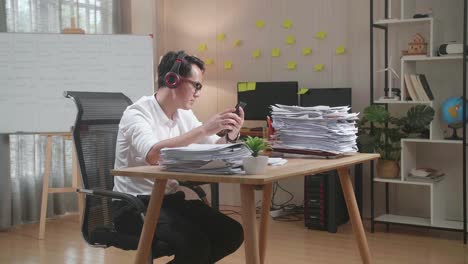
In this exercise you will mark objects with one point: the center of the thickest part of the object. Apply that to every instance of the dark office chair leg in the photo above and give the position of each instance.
(215, 195)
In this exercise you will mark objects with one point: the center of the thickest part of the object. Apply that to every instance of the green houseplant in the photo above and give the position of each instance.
(381, 132)
(255, 164)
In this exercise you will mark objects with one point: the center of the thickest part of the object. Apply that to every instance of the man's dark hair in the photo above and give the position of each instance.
(185, 69)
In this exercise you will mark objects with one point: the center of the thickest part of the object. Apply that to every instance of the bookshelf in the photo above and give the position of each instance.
(443, 204)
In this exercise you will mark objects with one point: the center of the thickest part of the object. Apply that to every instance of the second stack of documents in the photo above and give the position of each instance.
(205, 158)
(319, 128)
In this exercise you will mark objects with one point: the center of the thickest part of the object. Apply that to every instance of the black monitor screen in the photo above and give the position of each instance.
(266, 94)
(326, 96)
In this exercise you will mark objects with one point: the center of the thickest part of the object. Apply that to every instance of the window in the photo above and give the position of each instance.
(51, 16)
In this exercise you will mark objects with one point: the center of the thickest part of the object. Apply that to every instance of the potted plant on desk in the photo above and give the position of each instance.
(381, 133)
(255, 164)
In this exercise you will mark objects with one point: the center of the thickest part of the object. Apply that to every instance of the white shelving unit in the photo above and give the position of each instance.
(444, 75)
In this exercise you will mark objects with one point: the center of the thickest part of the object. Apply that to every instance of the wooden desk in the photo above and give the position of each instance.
(255, 246)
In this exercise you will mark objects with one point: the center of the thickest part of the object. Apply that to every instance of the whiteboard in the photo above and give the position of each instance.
(36, 69)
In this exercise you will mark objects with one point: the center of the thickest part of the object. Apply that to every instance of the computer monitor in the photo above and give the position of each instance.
(326, 96)
(266, 94)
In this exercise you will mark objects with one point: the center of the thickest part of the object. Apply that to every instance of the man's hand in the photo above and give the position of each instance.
(225, 120)
(237, 127)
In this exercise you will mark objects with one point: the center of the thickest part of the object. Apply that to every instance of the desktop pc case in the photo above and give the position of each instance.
(324, 205)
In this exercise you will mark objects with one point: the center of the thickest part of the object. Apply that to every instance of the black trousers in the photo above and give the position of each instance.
(197, 233)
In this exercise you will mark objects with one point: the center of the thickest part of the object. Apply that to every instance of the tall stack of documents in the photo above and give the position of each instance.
(205, 158)
(319, 128)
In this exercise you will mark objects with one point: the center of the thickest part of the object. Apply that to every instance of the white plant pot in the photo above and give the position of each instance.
(255, 165)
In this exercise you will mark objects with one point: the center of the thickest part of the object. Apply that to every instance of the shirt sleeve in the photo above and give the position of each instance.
(137, 130)
(207, 140)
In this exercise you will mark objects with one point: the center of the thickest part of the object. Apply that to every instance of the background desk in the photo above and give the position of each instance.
(255, 246)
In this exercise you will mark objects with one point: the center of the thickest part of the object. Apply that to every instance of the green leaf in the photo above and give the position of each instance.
(418, 118)
(376, 114)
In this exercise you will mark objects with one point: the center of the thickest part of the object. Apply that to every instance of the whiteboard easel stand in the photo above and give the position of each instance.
(45, 185)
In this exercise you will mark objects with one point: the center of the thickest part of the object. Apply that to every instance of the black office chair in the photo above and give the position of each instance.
(95, 135)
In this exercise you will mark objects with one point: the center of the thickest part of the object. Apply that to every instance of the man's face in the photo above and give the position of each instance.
(189, 89)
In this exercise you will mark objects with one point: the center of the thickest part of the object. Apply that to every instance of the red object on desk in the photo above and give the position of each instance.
(271, 130)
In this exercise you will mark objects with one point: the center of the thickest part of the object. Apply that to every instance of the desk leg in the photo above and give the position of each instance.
(265, 220)
(151, 219)
(249, 222)
(354, 216)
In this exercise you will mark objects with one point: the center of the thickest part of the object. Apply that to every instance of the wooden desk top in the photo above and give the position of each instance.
(294, 167)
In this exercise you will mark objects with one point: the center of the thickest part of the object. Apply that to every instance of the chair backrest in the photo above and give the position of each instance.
(95, 135)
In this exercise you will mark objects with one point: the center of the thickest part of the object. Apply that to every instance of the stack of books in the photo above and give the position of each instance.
(417, 88)
(425, 175)
(317, 130)
(205, 158)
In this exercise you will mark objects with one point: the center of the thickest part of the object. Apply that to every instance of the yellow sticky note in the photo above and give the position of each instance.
(287, 23)
(202, 47)
(228, 65)
(221, 36)
(340, 50)
(242, 87)
(256, 53)
(321, 35)
(306, 51)
(237, 43)
(292, 65)
(276, 52)
(302, 91)
(319, 67)
(260, 23)
(251, 86)
(209, 61)
(290, 40)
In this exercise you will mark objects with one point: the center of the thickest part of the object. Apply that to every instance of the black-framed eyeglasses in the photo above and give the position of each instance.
(197, 85)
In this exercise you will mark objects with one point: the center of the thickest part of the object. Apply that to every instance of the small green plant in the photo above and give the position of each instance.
(256, 144)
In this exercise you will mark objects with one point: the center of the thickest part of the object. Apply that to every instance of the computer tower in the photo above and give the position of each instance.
(324, 205)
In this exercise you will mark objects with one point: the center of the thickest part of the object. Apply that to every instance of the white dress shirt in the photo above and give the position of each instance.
(144, 124)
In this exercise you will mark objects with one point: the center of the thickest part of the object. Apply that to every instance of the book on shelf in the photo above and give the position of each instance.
(425, 85)
(425, 175)
(418, 88)
(409, 87)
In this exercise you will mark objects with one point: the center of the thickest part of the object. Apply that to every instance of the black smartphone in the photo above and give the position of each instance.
(241, 104)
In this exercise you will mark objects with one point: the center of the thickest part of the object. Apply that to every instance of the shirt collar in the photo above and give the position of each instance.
(163, 117)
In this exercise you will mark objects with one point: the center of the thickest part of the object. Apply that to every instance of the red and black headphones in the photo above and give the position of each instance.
(172, 79)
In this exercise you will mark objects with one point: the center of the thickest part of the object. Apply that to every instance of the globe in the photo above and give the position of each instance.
(452, 114)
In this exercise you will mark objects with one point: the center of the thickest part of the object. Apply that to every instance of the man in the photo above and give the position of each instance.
(196, 232)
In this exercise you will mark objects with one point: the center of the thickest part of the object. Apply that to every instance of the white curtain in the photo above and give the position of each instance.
(27, 157)
(51, 16)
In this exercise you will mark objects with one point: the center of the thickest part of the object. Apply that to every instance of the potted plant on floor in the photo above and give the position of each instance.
(256, 163)
(386, 131)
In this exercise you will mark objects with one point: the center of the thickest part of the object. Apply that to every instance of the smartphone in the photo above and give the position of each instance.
(241, 104)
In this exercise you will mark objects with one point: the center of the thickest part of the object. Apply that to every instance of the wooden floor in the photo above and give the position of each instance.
(289, 242)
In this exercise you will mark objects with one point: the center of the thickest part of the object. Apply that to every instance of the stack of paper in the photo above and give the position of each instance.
(319, 128)
(205, 158)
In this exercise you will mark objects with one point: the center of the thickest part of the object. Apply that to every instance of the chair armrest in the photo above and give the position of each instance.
(116, 195)
(194, 186)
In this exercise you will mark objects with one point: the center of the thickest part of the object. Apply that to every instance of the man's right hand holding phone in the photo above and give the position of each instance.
(226, 120)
